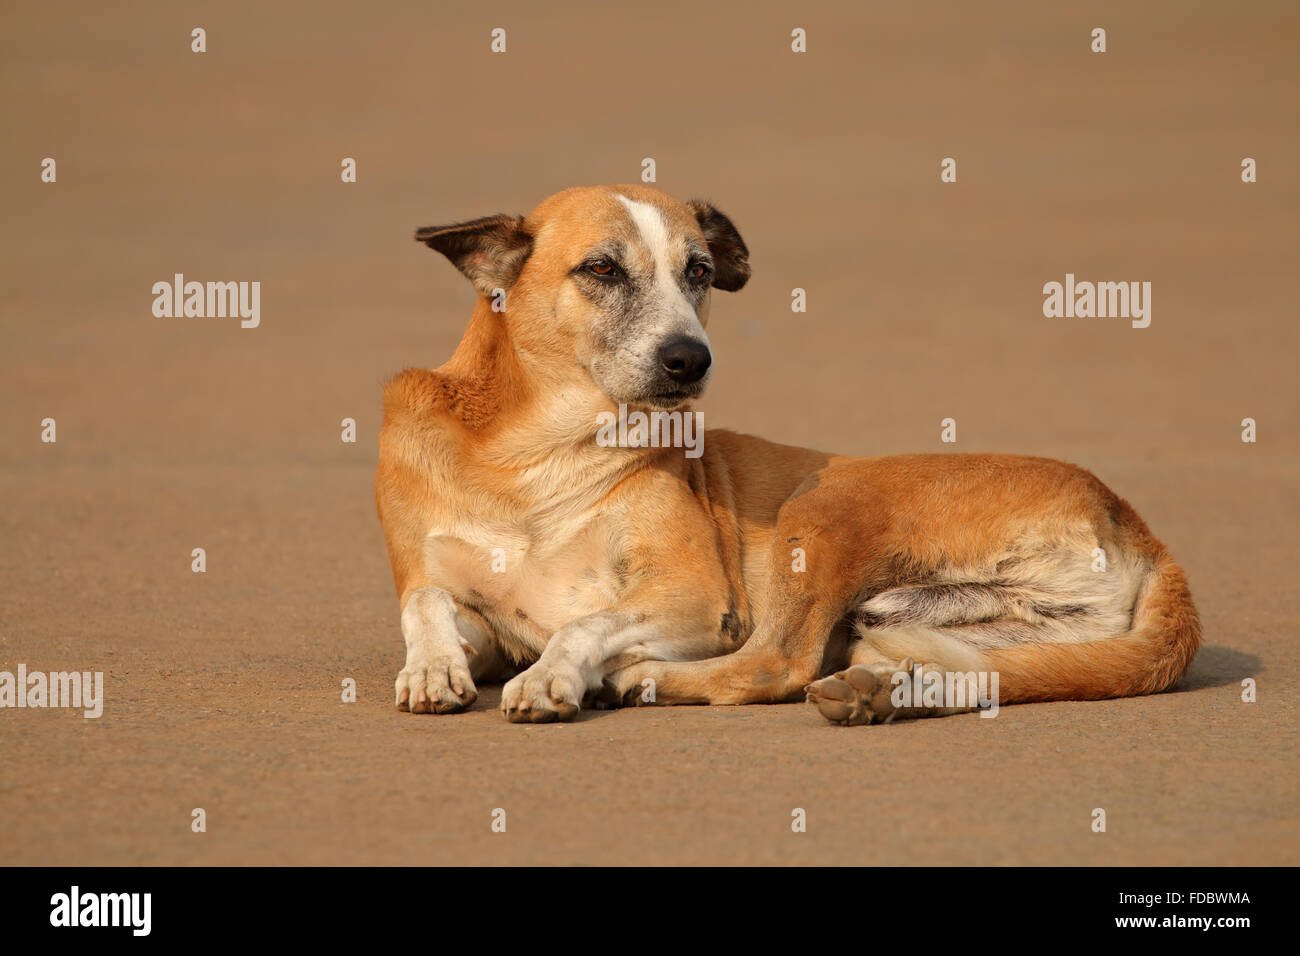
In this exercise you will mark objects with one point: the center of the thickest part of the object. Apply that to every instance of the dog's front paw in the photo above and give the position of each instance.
(439, 686)
(541, 694)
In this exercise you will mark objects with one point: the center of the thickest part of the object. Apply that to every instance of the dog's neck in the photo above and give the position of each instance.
(522, 415)
(483, 377)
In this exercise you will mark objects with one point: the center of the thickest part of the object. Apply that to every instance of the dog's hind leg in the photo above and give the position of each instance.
(800, 613)
(764, 671)
(1038, 650)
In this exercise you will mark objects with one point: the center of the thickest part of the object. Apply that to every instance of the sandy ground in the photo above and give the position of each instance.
(224, 688)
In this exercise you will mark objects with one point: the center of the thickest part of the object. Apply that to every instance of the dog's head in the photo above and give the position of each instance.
(611, 280)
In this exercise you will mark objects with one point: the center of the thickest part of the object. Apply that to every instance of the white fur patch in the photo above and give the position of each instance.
(681, 316)
(1035, 591)
(654, 232)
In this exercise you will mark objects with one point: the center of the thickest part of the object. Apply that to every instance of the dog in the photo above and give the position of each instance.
(752, 573)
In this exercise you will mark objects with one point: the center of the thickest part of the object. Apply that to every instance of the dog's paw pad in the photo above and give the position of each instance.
(858, 695)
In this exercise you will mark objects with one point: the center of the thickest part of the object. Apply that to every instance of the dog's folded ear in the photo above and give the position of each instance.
(490, 251)
(730, 255)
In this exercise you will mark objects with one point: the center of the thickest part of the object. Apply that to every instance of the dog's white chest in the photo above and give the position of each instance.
(528, 585)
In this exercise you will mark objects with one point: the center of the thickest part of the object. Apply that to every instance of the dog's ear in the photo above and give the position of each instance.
(730, 256)
(490, 251)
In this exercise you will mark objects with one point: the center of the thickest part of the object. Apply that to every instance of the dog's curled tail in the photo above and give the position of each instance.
(1153, 656)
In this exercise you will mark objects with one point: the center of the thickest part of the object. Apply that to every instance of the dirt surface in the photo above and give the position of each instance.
(223, 689)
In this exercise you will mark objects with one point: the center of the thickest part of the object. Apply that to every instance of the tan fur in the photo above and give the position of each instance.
(641, 568)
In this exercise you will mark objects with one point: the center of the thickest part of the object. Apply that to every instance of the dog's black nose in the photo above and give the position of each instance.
(685, 360)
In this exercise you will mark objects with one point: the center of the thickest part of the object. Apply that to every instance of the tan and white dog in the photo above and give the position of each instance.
(639, 574)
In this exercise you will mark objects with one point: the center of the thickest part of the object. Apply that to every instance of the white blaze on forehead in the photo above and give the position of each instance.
(649, 221)
(669, 311)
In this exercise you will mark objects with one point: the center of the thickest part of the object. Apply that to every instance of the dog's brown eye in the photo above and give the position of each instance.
(696, 271)
(601, 267)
